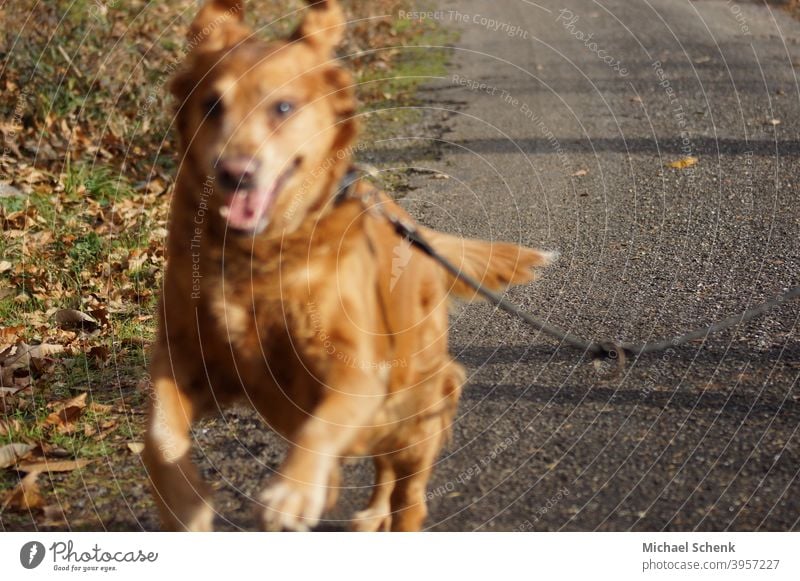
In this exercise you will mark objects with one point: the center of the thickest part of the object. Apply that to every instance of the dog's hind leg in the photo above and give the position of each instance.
(378, 514)
(413, 469)
(413, 464)
(181, 495)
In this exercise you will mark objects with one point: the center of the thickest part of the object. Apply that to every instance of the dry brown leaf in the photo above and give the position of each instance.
(108, 424)
(25, 495)
(22, 354)
(136, 447)
(74, 319)
(100, 408)
(9, 336)
(52, 466)
(101, 315)
(684, 162)
(100, 353)
(9, 425)
(156, 186)
(106, 428)
(66, 413)
(77, 401)
(11, 453)
(9, 191)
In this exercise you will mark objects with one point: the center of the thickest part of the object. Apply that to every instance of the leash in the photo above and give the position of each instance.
(599, 349)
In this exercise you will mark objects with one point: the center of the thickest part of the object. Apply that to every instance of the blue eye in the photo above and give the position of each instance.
(283, 108)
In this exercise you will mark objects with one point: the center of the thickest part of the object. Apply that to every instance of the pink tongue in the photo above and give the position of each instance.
(246, 208)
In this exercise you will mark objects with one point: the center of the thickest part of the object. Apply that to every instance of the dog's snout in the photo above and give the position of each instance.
(237, 173)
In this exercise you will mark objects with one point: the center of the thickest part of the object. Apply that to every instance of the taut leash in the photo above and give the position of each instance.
(599, 349)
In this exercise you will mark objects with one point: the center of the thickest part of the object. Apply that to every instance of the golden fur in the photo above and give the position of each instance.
(308, 315)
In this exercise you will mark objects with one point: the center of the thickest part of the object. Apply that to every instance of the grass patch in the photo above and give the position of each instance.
(391, 96)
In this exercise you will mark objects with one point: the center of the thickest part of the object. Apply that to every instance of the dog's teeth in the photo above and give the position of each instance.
(224, 211)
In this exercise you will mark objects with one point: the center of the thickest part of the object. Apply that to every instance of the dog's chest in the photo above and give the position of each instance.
(256, 310)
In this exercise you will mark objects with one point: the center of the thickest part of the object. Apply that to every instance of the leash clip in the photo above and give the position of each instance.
(615, 354)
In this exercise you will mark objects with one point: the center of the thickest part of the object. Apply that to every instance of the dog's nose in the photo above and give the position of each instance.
(237, 173)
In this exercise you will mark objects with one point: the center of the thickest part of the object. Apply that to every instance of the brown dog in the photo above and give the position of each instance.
(276, 295)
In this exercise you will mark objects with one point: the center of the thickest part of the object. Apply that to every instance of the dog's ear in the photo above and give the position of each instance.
(322, 26)
(218, 24)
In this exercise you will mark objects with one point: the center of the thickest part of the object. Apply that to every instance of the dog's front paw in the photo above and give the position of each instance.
(292, 506)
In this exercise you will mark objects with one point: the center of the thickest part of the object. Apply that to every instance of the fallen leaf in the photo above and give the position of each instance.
(74, 319)
(11, 453)
(108, 424)
(156, 186)
(77, 401)
(9, 425)
(52, 466)
(66, 413)
(684, 162)
(580, 172)
(136, 447)
(106, 428)
(5, 265)
(24, 496)
(100, 353)
(22, 354)
(100, 408)
(9, 191)
(9, 336)
(101, 315)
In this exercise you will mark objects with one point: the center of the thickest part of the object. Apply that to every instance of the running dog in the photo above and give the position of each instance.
(279, 293)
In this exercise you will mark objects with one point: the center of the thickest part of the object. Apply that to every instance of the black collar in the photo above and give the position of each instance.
(346, 185)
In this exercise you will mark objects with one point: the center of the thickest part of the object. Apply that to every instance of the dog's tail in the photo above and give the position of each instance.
(495, 265)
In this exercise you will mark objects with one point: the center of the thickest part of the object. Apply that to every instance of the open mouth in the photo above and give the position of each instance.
(247, 210)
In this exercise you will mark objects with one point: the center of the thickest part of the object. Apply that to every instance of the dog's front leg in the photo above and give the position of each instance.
(296, 498)
(182, 498)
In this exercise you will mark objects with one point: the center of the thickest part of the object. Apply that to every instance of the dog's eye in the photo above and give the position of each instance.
(283, 108)
(212, 106)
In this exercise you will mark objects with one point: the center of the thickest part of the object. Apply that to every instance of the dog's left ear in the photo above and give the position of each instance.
(218, 24)
(322, 26)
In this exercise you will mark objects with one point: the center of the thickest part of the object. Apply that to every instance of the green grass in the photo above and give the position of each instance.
(73, 261)
(412, 67)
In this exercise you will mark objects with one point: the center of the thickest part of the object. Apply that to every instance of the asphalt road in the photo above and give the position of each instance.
(554, 138)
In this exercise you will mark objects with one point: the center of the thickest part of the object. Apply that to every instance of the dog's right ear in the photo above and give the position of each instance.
(218, 24)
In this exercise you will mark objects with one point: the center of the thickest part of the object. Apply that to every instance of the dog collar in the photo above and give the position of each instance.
(346, 185)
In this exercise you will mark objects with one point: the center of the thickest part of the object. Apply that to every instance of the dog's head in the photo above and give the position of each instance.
(270, 123)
